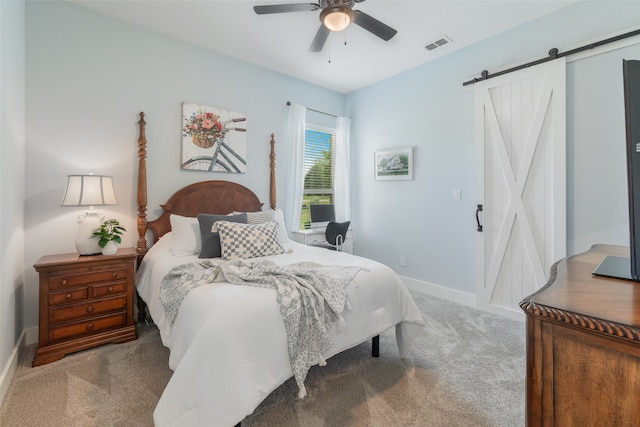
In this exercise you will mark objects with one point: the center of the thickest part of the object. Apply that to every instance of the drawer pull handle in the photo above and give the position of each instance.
(89, 309)
(114, 275)
(89, 326)
(110, 289)
(68, 296)
(64, 282)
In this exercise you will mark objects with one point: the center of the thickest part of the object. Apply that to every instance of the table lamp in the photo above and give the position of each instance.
(88, 190)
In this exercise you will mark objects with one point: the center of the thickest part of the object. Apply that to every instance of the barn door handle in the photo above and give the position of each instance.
(478, 209)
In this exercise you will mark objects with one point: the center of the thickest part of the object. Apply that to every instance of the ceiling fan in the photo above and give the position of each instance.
(335, 15)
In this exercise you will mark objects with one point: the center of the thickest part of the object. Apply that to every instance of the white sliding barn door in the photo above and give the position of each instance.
(521, 176)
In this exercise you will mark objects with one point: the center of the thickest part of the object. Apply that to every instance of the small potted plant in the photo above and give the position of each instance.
(109, 234)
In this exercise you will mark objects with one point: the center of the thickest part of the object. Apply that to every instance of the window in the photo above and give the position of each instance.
(319, 163)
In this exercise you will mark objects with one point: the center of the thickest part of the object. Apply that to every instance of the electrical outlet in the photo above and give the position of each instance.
(457, 194)
(403, 262)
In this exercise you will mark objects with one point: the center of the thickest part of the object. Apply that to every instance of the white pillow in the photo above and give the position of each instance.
(261, 217)
(186, 235)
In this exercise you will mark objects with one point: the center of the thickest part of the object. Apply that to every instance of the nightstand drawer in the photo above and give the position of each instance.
(92, 308)
(66, 297)
(109, 289)
(87, 276)
(87, 327)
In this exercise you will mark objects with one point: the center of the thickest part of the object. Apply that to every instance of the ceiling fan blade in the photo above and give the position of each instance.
(372, 25)
(319, 40)
(283, 8)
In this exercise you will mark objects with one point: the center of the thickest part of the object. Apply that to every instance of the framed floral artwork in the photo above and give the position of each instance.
(213, 139)
(394, 164)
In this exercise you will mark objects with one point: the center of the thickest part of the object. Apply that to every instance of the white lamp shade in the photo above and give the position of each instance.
(89, 190)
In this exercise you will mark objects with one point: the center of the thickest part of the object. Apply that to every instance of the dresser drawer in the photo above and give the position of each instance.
(66, 297)
(83, 310)
(87, 276)
(108, 289)
(87, 327)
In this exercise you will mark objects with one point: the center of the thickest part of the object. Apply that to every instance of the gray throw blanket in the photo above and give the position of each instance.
(310, 296)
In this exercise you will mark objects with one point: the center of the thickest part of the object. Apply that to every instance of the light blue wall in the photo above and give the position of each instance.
(88, 76)
(12, 171)
(428, 108)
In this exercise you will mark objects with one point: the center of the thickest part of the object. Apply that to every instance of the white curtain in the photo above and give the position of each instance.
(342, 185)
(294, 186)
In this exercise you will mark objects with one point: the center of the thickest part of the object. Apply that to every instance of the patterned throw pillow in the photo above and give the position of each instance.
(258, 217)
(264, 216)
(248, 240)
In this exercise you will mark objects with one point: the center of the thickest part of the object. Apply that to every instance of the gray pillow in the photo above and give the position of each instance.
(211, 240)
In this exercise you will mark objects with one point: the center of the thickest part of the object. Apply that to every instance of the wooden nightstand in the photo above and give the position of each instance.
(85, 301)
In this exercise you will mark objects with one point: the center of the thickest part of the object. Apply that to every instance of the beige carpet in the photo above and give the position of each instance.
(467, 369)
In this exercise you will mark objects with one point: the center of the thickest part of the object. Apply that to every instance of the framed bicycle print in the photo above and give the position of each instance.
(213, 139)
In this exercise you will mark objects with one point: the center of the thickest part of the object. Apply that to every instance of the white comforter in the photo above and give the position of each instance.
(228, 342)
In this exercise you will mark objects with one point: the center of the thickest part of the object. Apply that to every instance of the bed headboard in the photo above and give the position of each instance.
(214, 197)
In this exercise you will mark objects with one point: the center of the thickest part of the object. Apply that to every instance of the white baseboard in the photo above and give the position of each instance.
(449, 294)
(28, 336)
(10, 368)
(459, 297)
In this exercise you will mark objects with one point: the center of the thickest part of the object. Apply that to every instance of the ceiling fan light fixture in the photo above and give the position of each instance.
(336, 17)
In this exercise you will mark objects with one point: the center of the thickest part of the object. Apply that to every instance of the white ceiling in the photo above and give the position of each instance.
(280, 42)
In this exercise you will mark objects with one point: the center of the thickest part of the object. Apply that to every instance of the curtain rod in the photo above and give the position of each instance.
(553, 54)
(316, 111)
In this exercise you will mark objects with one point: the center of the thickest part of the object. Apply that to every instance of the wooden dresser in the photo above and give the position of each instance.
(583, 346)
(85, 301)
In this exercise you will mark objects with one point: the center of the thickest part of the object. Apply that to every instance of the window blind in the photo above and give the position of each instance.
(319, 162)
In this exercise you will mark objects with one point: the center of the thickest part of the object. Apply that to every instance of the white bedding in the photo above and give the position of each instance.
(228, 342)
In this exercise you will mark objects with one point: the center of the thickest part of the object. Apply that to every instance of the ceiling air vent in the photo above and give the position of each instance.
(437, 43)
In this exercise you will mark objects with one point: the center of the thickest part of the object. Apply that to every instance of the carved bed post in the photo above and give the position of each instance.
(272, 182)
(141, 247)
(142, 190)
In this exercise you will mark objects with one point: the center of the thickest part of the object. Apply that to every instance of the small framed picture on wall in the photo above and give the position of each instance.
(394, 164)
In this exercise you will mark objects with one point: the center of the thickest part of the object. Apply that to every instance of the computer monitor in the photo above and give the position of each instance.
(629, 267)
(321, 215)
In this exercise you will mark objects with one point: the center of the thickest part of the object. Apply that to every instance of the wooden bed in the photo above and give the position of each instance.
(377, 301)
(213, 197)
